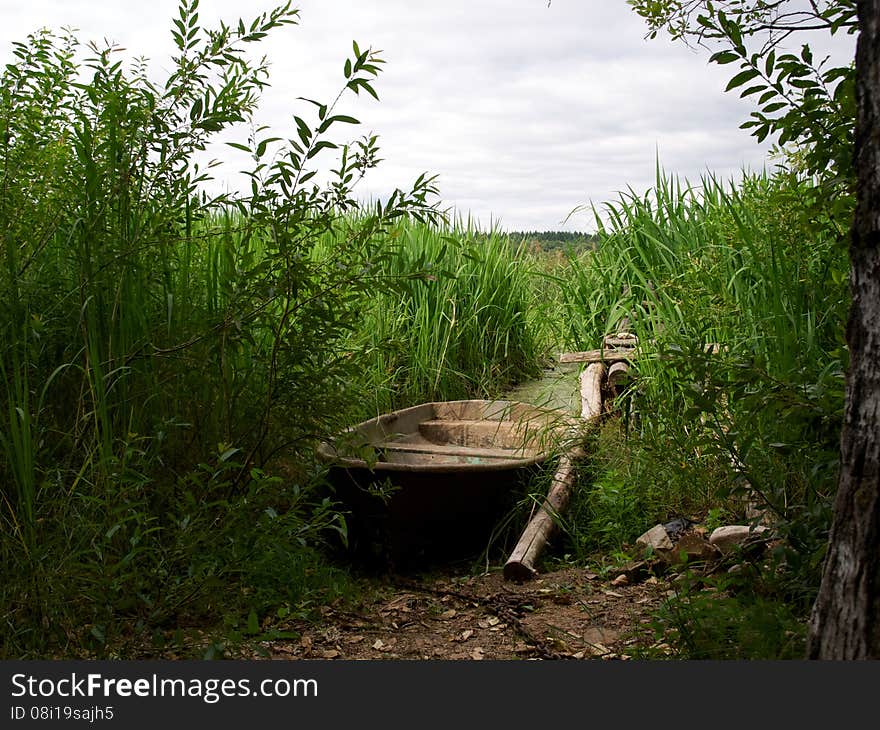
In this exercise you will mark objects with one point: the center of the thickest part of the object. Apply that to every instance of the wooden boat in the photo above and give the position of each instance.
(436, 477)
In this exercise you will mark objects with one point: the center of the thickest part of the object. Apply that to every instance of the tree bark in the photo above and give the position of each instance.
(845, 622)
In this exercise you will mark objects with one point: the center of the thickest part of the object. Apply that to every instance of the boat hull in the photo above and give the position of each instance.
(432, 481)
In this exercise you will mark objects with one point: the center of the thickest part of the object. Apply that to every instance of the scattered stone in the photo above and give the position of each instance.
(636, 570)
(692, 546)
(656, 538)
(599, 635)
(675, 528)
(730, 536)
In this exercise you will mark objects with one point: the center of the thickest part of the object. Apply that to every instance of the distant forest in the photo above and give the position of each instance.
(554, 240)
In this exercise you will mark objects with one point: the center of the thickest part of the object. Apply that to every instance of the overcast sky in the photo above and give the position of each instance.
(525, 111)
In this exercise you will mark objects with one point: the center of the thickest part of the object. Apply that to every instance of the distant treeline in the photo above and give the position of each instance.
(553, 240)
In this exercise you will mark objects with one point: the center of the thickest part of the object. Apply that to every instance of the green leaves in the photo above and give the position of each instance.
(741, 78)
(325, 125)
(724, 57)
(805, 106)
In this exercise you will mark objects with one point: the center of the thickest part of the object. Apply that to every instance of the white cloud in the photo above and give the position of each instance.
(525, 111)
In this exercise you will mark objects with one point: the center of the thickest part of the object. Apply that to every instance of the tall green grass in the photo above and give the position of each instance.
(756, 268)
(455, 325)
(169, 361)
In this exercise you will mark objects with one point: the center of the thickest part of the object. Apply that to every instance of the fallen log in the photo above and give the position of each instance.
(520, 566)
(591, 391)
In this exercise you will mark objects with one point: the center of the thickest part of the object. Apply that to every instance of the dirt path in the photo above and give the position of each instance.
(567, 614)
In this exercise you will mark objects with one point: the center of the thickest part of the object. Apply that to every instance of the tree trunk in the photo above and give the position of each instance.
(845, 622)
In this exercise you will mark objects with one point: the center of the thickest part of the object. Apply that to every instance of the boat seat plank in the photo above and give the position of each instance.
(453, 450)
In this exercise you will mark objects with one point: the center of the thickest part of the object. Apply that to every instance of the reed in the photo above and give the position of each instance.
(456, 321)
(751, 266)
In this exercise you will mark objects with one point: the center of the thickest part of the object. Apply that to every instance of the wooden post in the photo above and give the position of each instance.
(520, 566)
(617, 374)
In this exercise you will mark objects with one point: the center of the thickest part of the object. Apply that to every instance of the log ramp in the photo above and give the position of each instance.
(520, 566)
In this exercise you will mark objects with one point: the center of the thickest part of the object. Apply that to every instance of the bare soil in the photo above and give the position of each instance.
(565, 614)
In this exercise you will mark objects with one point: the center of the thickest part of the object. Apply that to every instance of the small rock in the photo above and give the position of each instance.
(656, 538)
(636, 570)
(728, 537)
(693, 546)
(676, 527)
(599, 635)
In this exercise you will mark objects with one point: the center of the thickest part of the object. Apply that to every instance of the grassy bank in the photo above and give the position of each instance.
(759, 269)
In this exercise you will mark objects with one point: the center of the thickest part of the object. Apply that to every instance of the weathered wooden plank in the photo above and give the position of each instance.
(616, 354)
(454, 450)
(621, 339)
(604, 355)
